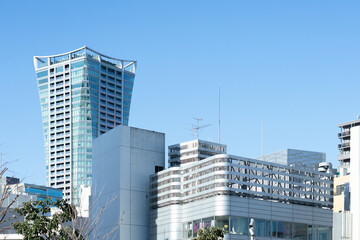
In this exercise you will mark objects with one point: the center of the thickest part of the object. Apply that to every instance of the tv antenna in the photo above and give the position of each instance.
(196, 128)
(219, 113)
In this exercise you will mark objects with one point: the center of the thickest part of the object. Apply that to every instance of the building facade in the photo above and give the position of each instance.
(83, 94)
(227, 191)
(346, 183)
(123, 159)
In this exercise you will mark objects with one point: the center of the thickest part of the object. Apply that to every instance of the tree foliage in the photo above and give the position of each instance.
(210, 233)
(39, 224)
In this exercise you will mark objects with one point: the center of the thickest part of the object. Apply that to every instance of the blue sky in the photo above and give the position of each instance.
(292, 64)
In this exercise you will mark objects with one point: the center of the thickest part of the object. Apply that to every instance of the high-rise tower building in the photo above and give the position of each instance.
(83, 94)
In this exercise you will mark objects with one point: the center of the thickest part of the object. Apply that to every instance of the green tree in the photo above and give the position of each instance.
(210, 233)
(39, 225)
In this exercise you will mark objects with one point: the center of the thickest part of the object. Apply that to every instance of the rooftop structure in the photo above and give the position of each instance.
(193, 151)
(296, 158)
(83, 94)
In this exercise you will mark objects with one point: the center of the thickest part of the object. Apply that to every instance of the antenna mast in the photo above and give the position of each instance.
(196, 128)
(219, 113)
(262, 140)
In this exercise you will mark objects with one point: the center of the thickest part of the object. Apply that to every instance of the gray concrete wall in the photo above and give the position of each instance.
(123, 160)
(342, 226)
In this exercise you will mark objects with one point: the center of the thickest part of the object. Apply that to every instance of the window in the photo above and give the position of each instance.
(42, 74)
(239, 225)
(222, 222)
(59, 69)
(158, 168)
(260, 227)
(299, 230)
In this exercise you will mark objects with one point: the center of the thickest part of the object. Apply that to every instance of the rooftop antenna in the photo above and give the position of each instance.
(219, 113)
(262, 140)
(196, 128)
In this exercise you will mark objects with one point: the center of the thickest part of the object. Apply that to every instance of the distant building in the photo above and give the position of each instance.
(296, 158)
(227, 191)
(37, 192)
(83, 94)
(123, 160)
(22, 192)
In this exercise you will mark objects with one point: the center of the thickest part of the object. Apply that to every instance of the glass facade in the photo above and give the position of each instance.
(263, 228)
(43, 192)
(83, 94)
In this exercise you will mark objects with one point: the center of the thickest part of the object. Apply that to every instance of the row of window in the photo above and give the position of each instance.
(262, 228)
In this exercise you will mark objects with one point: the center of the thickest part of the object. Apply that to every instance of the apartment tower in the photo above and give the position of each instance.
(83, 94)
(346, 183)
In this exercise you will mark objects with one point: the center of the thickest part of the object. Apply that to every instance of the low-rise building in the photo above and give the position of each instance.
(21, 192)
(227, 191)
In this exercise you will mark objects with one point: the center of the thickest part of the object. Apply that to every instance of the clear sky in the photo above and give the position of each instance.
(292, 64)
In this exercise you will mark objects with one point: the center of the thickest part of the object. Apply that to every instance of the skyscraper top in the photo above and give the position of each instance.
(44, 61)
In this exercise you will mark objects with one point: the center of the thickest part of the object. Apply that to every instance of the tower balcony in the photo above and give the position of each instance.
(344, 134)
(343, 156)
(344, 145)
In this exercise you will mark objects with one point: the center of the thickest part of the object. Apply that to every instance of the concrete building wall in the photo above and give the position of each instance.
(339, 199)
(355, 180)
(342, 226)
(123, 160)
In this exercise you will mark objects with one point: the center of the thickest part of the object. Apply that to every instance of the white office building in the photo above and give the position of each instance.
(83, 94)
(286, 202)
(347, 183)
(123, 160)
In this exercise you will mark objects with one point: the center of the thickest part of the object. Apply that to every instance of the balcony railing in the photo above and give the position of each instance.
(344, 145)
(344, 134)
(343, 156)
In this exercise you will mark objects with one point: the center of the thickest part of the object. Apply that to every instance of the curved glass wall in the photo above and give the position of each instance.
(263, 228)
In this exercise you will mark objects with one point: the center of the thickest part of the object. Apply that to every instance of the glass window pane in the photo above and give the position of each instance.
(188, 230)
(287, 230)
(273, 228)
(239, 225)
(312, 232)
(299, 231)
(280, 229)
(196, 227)
(267, 228)
(259, 227)
(324, 233)
(222, 222)
(208, 222)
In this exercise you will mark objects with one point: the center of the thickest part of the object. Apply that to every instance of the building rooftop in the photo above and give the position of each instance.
(351, 123)
(44, 61)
